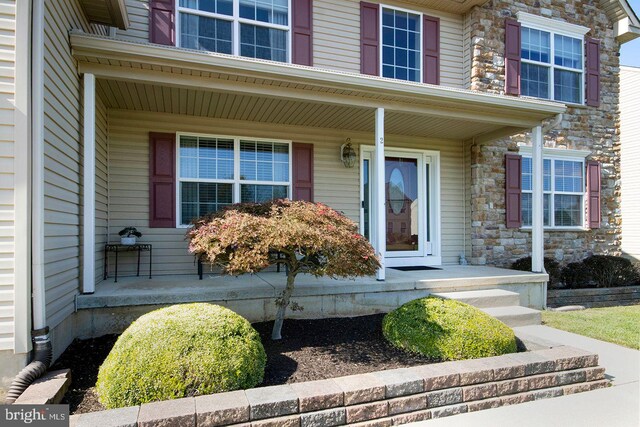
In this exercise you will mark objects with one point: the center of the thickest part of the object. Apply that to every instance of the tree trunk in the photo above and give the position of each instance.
(283, 303)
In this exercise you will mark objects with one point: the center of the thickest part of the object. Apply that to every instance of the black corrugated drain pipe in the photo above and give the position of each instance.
(42, 355)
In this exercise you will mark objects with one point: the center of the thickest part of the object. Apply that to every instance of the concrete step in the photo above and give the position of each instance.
(514, 316)
(483, 299)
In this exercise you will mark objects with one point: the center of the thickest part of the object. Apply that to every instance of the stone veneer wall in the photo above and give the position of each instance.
(383, 398)
(583, 128)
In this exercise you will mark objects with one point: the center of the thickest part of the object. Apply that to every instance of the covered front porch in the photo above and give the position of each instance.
(135, 89)
(113, 305)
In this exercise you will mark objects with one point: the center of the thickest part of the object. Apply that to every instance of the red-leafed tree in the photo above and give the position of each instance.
(307, 237)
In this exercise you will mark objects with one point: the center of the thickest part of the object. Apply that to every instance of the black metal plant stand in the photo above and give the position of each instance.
(117, 248)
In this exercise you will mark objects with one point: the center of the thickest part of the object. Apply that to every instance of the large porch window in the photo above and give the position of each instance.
(216, 171)
(252, 28)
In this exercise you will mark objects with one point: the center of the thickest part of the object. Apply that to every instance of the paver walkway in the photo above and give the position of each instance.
(616, 406)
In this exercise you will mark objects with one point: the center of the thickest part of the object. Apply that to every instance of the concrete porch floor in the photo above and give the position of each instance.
(113, 306)
(160, 290)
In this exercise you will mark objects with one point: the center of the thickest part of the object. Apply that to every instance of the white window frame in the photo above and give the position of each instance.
(236, 181)
(553, 154)
(236, 20)
(380, 47)
(555, 27)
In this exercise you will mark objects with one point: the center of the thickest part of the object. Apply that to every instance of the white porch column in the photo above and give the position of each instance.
(89, 185)
(378, 189)
(537, 222)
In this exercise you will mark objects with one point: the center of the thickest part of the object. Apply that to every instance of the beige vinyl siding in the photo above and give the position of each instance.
(138, 30)
(63, 158)
(334, 184)
(466, 51)
(467, 197)
(7, 179)
(336, 35)
(102, 195)
(630, 155)
(336, 38)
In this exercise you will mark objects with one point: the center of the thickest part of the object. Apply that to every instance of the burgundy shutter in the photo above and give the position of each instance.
(302, 32)
(369, 38)
(162, 27)
(513, 180)
(512, 56)
(302, 171)
(592, 51)
(593, 194)
(162, 180)
(431, 49)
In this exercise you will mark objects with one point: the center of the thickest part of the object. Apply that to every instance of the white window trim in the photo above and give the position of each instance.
(553, 27)
(560, 154)
(236, 181)
(236, 20)
(421, 22)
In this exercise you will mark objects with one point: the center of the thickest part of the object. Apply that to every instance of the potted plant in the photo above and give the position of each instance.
(128, 235)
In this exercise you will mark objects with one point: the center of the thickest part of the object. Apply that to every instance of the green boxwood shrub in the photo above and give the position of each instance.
(181, 351)
(576, 275)
(611, 271)
(447, 330)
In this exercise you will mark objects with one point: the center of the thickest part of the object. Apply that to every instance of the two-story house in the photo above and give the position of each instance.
(449, 130)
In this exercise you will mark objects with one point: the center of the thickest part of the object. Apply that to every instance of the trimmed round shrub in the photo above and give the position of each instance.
(181, 351)
(447, 330)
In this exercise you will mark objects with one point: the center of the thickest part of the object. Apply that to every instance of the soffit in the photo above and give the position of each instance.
(269, 110)
(108, 12)
(452, 6)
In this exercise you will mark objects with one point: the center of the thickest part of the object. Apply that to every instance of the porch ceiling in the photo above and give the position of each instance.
(262, 109)
(146, 77)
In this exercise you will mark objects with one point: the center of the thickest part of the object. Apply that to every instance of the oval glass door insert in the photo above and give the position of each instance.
(396, 191)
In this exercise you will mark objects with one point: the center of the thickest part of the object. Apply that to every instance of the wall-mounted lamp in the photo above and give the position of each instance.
(348, 154)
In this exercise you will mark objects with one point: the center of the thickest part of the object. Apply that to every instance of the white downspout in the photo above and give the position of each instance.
(37, 191)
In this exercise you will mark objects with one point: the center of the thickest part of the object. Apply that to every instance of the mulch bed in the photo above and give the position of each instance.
(309, 350)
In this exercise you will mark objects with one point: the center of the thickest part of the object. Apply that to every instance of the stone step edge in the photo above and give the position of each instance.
(486, 298)
(276, 401)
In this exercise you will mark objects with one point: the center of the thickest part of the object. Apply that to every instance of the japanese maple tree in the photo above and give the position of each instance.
(307, 237)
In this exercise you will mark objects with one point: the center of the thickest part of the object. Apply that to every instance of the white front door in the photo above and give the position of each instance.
(410, 206)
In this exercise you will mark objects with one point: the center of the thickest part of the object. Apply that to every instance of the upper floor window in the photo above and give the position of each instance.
(252, 28)
(552, 56)
(563, 187)
(401, 45)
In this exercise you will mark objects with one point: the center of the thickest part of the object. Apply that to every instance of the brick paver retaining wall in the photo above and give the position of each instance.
(382, 398)
(594, 297)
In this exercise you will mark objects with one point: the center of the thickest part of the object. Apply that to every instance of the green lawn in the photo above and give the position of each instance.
(619, 325)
